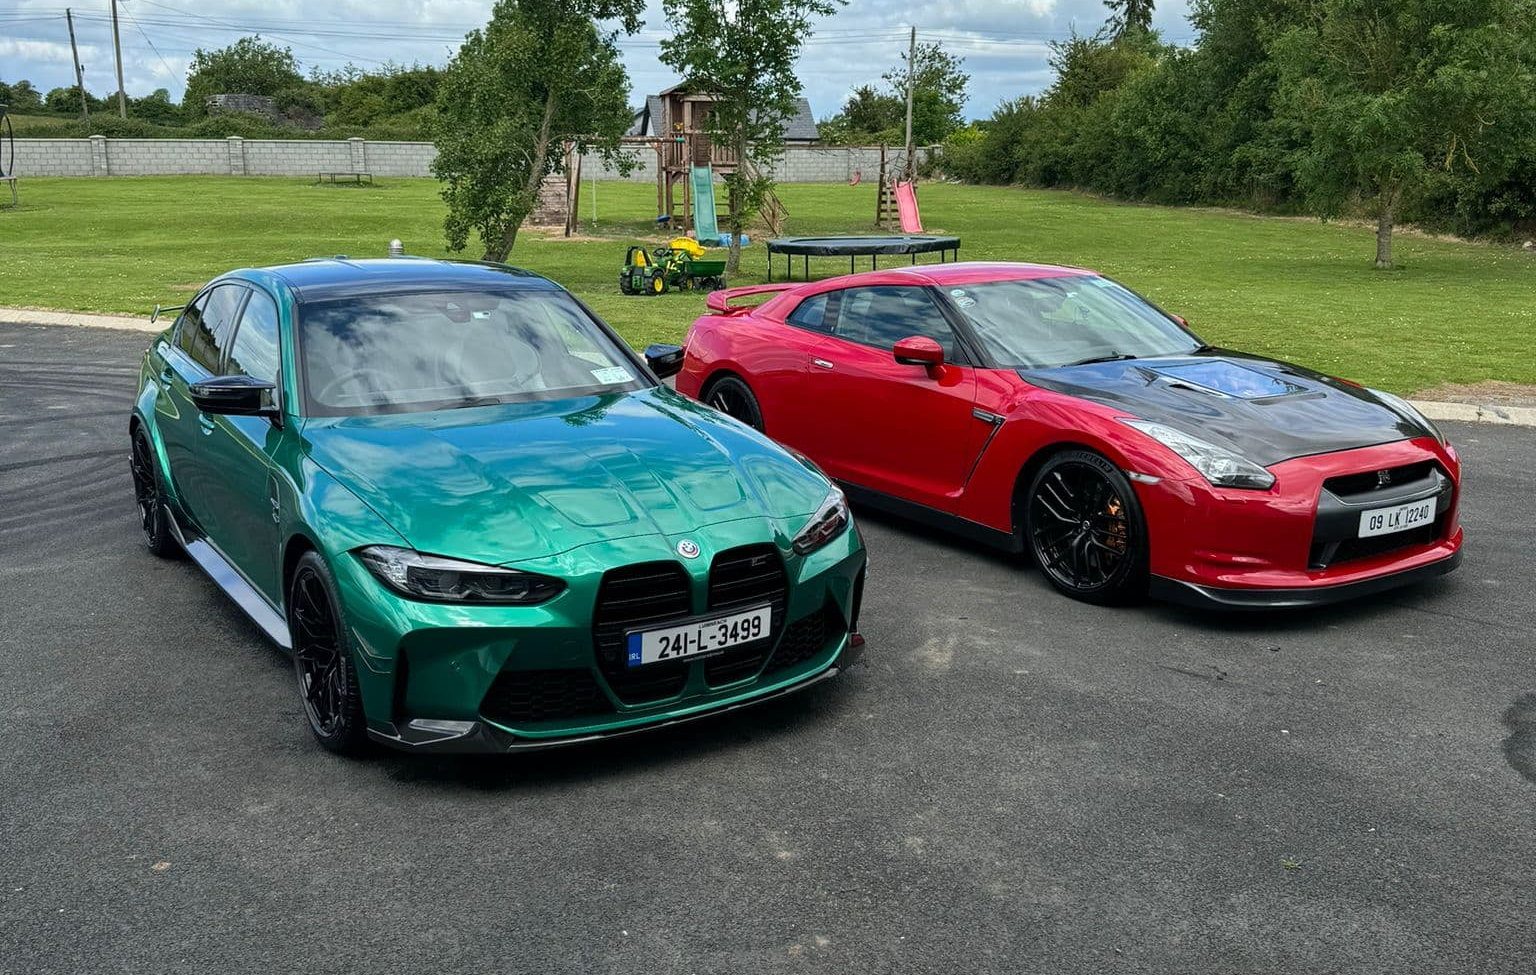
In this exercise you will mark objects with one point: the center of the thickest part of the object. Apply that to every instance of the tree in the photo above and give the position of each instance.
(1128, 17)
(538, 75)
(867, 116)
(250, 66)
(21, 96)
(743, 53)
(1382, 95)
(938, 92)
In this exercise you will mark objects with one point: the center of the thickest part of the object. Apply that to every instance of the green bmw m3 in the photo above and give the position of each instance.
(474, 517)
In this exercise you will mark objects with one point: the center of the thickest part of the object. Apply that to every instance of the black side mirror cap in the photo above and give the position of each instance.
(234, 396)
(664, 360)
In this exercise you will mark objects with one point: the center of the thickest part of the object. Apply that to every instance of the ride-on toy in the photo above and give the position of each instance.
(679, 265)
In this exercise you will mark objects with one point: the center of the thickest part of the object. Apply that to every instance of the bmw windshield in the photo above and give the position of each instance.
(440, 350)
(1042, 323)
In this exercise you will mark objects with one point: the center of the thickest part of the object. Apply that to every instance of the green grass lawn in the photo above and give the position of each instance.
(1302, 290)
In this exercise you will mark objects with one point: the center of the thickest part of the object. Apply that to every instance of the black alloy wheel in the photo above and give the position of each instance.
(322, 659)
(1085, 528)
(154, 518)
(734, 398)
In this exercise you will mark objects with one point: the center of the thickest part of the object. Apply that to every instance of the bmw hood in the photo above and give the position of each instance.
(1264, 410)
(504, 483)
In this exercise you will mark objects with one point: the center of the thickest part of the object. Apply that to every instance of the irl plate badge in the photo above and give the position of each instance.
(688, 548)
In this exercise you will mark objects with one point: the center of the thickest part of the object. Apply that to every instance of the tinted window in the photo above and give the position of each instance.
(884, 315)
(398, 353)
(254, 352)
(190, 323)
(811, 313)
(205, 336)
(1048, 322)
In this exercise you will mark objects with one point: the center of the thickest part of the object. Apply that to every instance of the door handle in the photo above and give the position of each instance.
(206, 422)
(821, 364)
(167, 374)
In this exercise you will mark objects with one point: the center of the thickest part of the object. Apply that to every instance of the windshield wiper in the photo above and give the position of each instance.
(1112, 357)
(476, 401)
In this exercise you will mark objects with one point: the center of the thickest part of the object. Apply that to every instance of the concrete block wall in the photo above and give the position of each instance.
(293, 157)
(399, 158)
(234, 156)
(54, 157)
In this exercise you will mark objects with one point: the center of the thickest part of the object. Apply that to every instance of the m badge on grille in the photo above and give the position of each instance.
(688, 548)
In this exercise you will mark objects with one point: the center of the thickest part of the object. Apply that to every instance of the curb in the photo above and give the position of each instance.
(32, 316)
(1515, 416)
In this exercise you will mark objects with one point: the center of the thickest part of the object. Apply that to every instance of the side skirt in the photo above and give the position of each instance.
(934, 518)
(229, 579)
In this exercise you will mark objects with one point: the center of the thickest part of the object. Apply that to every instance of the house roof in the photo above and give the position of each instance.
(649, 121)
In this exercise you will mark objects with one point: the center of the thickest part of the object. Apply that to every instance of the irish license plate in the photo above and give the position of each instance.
(1398, 518)
(695, 637)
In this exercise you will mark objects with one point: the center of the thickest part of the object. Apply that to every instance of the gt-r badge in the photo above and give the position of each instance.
(1383, 478)
(688, 548)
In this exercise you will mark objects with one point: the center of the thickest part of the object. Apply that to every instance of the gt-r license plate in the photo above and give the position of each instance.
(1398, 518)
(697, 637)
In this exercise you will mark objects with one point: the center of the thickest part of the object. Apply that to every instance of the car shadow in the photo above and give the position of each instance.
(643, 754)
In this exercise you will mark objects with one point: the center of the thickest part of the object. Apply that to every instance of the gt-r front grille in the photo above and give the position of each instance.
(635, 597)
(805, 638)
(741, 577)
(1359, 487)
(520, 696)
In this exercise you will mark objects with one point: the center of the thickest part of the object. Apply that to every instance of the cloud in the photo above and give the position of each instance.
(1004, 42)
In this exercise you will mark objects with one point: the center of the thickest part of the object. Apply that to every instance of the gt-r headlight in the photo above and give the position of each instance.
(1217, 465)
(1407, 409)
(826, 524)
(438, 580)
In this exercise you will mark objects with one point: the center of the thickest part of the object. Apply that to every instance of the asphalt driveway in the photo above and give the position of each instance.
(1010, 782)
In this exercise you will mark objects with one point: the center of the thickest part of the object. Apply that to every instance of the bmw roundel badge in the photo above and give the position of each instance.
(688, 548)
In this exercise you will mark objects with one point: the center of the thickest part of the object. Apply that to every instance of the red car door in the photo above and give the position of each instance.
(776, 368)
(905, 430)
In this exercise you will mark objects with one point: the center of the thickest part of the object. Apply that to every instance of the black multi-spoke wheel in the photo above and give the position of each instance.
(734, 398)
(154, 519)
(1086, 529)
(322, 659)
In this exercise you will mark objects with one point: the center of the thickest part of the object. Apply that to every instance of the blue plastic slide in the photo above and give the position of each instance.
(704, 226)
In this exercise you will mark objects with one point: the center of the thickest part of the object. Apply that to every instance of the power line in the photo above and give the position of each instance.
(168, 69)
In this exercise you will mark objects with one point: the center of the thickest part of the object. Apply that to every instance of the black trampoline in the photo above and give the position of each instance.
(852, 247)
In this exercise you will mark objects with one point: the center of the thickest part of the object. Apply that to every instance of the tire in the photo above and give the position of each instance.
(1085, 527)
(149, 496)
(734, 398)
(625, 287)
(657, 285)
(322, 659)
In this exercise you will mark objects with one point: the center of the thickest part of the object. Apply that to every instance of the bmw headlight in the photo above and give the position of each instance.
(1216, 464)
(826, 524)
(439, 580)
(1406, 409)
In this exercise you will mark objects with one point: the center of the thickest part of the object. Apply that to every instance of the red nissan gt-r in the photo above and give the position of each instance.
(1051, 409)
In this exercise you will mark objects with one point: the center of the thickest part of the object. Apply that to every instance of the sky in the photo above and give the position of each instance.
(1004, 42)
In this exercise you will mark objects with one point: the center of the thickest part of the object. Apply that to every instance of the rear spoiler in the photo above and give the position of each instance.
(720, 301)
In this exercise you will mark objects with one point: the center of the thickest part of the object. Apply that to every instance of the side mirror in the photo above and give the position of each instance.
(919, 350)
(664, 360)
(234, 396)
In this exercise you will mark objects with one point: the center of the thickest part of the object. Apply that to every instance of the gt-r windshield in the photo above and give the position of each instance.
(1046, 322)
(428, 351)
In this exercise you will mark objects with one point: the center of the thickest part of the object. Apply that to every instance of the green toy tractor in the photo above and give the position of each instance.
(680, 266)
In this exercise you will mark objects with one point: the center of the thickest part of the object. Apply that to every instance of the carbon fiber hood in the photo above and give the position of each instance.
(1267, 411)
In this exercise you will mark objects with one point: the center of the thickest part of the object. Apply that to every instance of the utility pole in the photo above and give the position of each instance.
(74, 53)
(911, 81)
(117, 46)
